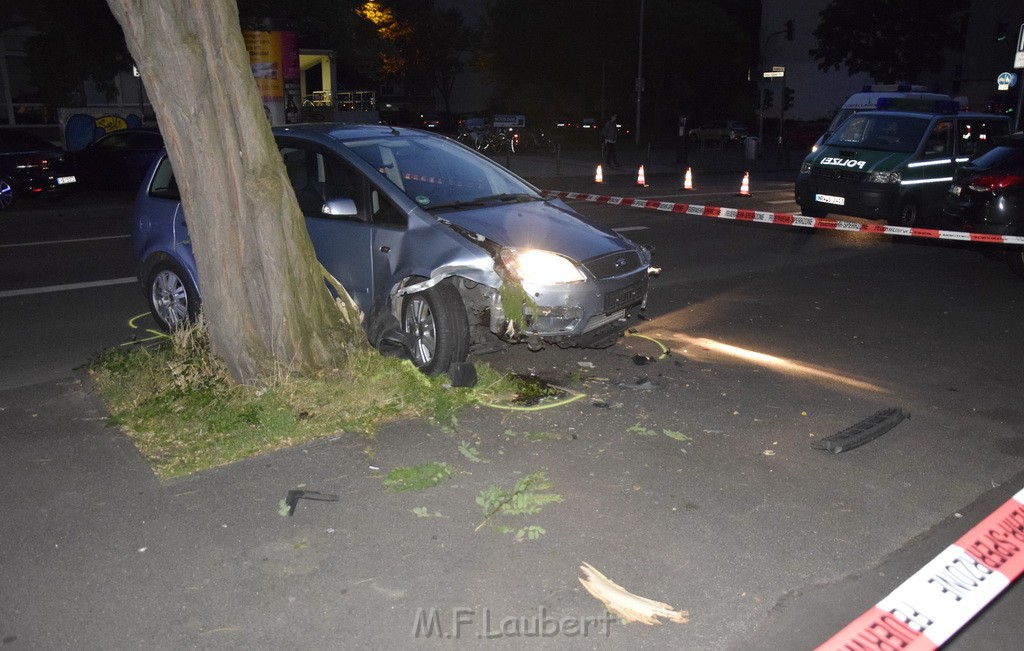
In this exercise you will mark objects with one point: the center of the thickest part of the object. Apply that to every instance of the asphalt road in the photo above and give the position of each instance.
(689, 479)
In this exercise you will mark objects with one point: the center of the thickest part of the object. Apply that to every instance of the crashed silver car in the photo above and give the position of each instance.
(444, 252)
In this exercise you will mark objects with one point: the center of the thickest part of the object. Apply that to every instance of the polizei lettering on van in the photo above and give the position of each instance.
(843, 162)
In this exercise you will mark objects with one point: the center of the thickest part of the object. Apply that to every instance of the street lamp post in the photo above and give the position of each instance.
(640, 74)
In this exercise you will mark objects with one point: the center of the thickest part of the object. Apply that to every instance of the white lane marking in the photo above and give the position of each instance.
(64, 288)
(80, 239)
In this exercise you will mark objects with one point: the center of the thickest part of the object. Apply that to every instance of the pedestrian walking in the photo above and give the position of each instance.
(610, 133)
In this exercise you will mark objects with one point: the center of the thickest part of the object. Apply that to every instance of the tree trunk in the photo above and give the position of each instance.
(263, 292)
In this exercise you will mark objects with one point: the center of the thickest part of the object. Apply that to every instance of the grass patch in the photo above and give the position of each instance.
(177, 403)
(417, 478)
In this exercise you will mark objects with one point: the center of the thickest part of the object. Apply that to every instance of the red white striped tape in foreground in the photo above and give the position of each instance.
(786, 219)
(941, 597)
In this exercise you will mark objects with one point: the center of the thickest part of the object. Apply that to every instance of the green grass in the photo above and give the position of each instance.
(176, 402)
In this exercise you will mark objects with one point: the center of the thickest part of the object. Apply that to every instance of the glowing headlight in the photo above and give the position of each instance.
(540, 267)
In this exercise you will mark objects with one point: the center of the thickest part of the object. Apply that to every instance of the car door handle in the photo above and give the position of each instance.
(385, 249)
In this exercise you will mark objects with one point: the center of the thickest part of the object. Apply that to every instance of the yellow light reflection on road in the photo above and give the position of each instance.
(698, 347)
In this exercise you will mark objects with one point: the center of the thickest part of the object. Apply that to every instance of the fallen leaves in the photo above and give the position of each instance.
(626, 605)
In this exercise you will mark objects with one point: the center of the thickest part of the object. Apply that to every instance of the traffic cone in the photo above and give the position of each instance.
(640, 178)
(688, 180)
(598, 175)
(744, 186)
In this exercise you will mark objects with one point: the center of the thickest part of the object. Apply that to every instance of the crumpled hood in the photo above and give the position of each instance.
(547, 225)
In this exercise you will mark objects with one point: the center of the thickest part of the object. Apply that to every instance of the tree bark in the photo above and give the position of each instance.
(263, 292)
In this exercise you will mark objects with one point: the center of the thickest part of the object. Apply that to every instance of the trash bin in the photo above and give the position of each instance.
(751, 144)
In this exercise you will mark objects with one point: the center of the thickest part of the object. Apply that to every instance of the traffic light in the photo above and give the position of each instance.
(789, 30)
(787, 98)
(767, 99)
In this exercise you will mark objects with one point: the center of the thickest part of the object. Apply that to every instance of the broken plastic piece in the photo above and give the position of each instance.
(863, 432)
(641, 360)
(295, 495)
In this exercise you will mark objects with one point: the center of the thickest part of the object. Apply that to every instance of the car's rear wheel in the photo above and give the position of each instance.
(438, 329)
(908, 214)
(1015, 258)
(6, 194)
(173, 300)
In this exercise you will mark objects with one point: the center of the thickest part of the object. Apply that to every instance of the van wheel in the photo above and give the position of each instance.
(1015, 258)
(907, 214)
(173, 300)
(436, 323)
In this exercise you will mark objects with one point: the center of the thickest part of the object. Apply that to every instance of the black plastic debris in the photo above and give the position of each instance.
(295, 495)
(863, 432)
(642, 360)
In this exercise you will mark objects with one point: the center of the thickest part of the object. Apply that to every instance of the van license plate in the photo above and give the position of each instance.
(828, 198)
(64, 180)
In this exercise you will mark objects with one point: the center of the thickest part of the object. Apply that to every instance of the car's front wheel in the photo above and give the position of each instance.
(173, 300)
(6, 194)
(907, 214)
(435, 321)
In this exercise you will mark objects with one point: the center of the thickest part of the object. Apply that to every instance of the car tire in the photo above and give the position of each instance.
(173, 299)
(1015, 258)
(907, 214)
(435, 321)
(6, 194)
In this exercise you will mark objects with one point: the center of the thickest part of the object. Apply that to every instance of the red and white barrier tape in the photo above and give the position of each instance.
(939, 599)
(786, 219)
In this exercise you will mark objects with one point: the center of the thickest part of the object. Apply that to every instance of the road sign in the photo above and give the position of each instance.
(773, 73)
(1005, 80)
(1018, 60)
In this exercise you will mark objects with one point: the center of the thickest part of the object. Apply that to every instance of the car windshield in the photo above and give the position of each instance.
(880, 131)
(438, 173)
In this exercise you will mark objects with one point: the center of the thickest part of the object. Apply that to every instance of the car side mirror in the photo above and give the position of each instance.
(340, 208)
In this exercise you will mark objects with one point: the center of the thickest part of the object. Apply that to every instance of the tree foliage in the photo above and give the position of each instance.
(891, 40)
(74, 41)
(558, 59)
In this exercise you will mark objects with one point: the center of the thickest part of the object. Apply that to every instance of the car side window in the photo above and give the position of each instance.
(385, 211)
(317, 178)
(164, 185)
(940, 140)
(975, 136)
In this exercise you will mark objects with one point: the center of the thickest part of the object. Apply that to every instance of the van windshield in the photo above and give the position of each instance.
(880, 131)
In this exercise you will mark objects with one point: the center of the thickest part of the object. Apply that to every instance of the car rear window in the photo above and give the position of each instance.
(1004, 155)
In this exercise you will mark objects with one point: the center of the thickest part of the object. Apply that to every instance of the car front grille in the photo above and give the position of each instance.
(625, 297)
(613, 265)
(838, 174)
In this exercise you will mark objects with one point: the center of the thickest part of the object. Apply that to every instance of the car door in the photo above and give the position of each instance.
(342, 242)
(932, 172)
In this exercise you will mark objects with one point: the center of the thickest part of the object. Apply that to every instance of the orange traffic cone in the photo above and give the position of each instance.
(599, 175)
(688, 180)
(640, 178)
(745, 186)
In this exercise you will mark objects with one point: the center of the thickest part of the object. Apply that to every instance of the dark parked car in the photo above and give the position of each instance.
(440, 248)
(31, 166)
(118, 160)
(987, 196)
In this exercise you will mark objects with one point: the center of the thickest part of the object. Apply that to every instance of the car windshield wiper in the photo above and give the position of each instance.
(480, 201)
(520, 197)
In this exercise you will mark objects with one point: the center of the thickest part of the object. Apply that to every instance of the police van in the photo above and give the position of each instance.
(895, 165)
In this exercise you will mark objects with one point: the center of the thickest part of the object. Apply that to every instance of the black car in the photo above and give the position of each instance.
(987, 196)
(31, 166)
(118, 160)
